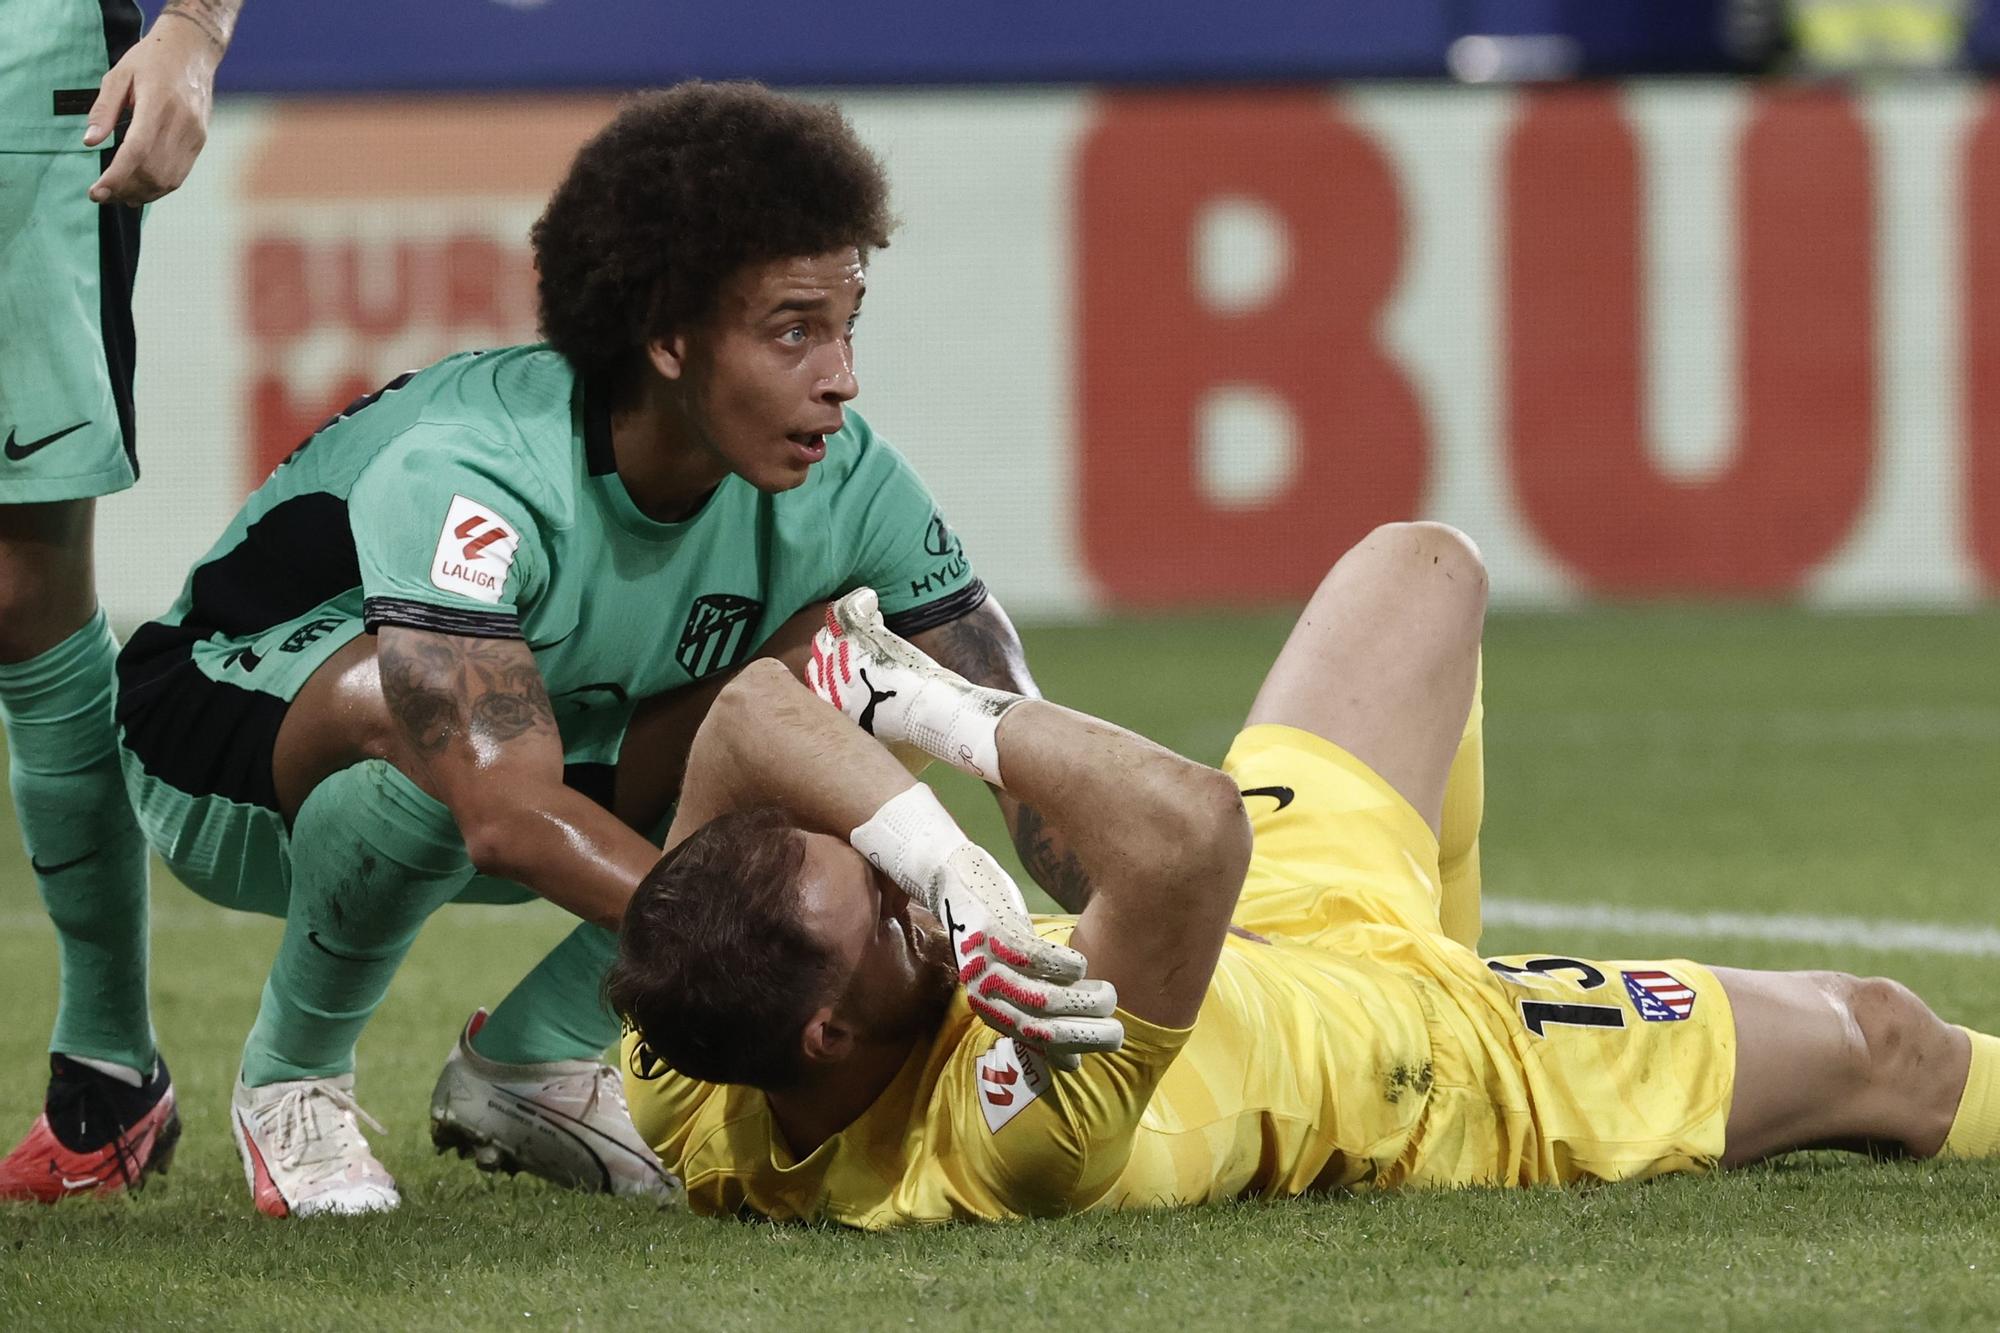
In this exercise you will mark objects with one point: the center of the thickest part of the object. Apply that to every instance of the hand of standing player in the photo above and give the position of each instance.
(167, 82)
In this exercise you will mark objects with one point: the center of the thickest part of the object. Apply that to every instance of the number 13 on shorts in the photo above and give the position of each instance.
(1575, 993)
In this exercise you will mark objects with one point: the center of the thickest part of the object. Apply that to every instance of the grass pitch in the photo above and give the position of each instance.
(1673, 761)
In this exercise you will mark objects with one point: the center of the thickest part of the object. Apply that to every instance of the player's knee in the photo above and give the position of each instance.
(31, 623)
(1898, 1038)
(1435, 560)
(1452, 555)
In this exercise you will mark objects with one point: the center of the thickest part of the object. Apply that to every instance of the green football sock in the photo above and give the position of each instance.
(557, 1012)
(84, 845)
(372, 857)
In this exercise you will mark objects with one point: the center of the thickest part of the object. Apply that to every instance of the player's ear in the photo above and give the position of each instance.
(668, 355)
(826, 1039)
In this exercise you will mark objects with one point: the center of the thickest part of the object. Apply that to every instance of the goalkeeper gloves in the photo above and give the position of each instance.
(1022, 985)
(901, 697)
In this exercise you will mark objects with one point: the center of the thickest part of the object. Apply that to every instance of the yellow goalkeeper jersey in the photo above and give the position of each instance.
(1357, 1046)
(1251, 1100)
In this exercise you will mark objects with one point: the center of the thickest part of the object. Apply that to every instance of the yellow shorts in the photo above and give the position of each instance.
(1545, 1068)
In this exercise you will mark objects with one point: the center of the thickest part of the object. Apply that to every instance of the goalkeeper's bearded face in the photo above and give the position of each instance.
(893, 969)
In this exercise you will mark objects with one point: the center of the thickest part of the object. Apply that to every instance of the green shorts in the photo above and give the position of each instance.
(196, 756)
(66, 270)
(239, 855)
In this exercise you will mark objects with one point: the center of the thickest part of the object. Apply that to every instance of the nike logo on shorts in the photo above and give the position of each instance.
(312, 938)
(16, 452)
(59, 866)
(1282, 795)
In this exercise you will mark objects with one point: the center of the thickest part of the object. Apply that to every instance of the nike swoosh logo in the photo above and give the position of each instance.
(16, 452)
(69, 1184)
(1282, 795)
(312, 937)
(59, 866)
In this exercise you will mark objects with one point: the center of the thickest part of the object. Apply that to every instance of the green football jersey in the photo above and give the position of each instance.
(53, 55)
(479, 496)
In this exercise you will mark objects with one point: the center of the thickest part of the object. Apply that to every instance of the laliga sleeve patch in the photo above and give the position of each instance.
(474, 552)
(1010, 1077)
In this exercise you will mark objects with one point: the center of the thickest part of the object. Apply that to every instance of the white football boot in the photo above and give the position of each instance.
(303, 1151)
(564, 1120)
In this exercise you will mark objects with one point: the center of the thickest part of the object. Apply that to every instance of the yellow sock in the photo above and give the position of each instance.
(1458, 840)
(1975, 1130)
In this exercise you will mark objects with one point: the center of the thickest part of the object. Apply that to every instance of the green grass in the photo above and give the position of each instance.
(1694, 760)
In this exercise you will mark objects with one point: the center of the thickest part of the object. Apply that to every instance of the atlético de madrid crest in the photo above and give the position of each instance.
(1660, 997)
(717, 635)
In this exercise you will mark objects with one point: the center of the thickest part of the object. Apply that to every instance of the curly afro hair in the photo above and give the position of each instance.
(682, 189)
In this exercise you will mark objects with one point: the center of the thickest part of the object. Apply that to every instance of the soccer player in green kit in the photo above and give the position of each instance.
(71, 179)
(412, 670)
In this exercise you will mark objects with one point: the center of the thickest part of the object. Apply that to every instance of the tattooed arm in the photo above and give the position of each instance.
(167, 80)
(473, 727)
(983, 647)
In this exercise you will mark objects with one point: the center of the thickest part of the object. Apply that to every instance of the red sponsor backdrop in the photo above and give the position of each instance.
(1575, 448)
(354, 272)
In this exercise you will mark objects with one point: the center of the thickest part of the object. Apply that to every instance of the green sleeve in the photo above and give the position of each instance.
(445, 536)
(898, 543)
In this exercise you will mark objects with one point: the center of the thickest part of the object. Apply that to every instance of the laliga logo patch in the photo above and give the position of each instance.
(474, 552)
(1009, 1078)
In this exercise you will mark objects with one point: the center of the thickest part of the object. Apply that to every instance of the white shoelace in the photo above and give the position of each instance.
(598, 1082)
(308, 1134)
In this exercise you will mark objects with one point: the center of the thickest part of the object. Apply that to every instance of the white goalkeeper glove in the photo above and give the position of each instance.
(1022, 985)
(900, 696)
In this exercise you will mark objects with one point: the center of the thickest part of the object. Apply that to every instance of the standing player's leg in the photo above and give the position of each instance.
(66, 408)
(1826, 1059)
(526, 1090)
(373, 856)
(526, 1087)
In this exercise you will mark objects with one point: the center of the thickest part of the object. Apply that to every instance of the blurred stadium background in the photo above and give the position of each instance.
(1688, 310)
(1186, 296)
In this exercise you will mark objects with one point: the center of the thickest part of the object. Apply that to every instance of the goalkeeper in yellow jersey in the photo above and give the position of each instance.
(817, 976)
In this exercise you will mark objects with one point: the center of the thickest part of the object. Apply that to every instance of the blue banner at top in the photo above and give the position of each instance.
(423, 44)
(388, 45)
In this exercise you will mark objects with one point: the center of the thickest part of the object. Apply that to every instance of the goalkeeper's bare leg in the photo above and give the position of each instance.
(1384, 658)
(1383, 662)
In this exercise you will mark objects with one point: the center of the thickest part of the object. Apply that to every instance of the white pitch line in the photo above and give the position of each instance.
(1847, 932)
(1694, 728)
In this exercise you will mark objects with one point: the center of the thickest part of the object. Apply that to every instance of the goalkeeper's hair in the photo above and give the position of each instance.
(681, 190)
(714, 971)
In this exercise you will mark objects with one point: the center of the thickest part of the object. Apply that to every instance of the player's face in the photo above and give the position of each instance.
(767, 377)
(893, 967)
